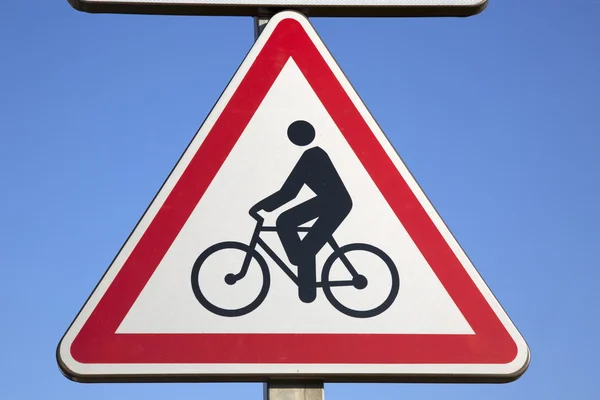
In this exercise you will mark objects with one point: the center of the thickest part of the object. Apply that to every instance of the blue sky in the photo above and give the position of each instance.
(495, 115)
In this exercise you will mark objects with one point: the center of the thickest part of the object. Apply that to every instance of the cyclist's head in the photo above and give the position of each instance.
(301, 133)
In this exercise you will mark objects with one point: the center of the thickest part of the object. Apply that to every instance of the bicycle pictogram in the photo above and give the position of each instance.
(329, 208)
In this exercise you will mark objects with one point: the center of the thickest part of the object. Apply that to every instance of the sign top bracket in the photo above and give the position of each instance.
(310, 8)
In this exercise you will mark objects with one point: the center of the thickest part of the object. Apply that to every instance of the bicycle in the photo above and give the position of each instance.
(358, 281)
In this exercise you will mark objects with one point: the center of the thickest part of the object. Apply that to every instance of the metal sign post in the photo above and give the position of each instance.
(259, 25)
(294, 391)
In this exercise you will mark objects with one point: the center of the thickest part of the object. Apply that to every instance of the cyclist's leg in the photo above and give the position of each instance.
(319, 234)
(322, 231)
(307, 278)
(287, 227)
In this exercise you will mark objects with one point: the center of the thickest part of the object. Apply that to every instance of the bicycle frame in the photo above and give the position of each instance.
(257, 240)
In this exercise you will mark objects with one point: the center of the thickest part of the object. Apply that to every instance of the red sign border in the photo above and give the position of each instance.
(97, 342)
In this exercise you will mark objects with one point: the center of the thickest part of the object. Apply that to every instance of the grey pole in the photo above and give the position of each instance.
(259, 25)
(298, 390)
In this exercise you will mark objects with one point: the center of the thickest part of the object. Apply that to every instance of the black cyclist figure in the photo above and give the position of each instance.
(330, 206)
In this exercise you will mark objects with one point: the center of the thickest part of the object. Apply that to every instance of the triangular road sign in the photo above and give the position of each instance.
(227, 276)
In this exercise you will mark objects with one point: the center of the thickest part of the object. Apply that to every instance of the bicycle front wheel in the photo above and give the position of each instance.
(230, 279)
(359, 281)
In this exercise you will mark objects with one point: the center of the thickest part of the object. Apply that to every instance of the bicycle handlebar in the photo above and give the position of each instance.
(254, 214)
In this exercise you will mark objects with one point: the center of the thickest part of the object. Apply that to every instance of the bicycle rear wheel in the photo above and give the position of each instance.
(360, 281)
(219, 310)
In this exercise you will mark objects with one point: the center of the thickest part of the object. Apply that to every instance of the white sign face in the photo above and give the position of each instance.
(291, 240)
(313, 8)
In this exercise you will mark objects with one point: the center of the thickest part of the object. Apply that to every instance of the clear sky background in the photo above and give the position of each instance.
(496, 115)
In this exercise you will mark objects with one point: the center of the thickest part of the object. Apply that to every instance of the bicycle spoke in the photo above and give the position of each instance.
(351, 269)
(337, 283)
(344, 259)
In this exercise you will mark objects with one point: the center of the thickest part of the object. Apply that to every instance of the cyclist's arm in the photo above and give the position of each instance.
(290, 188)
